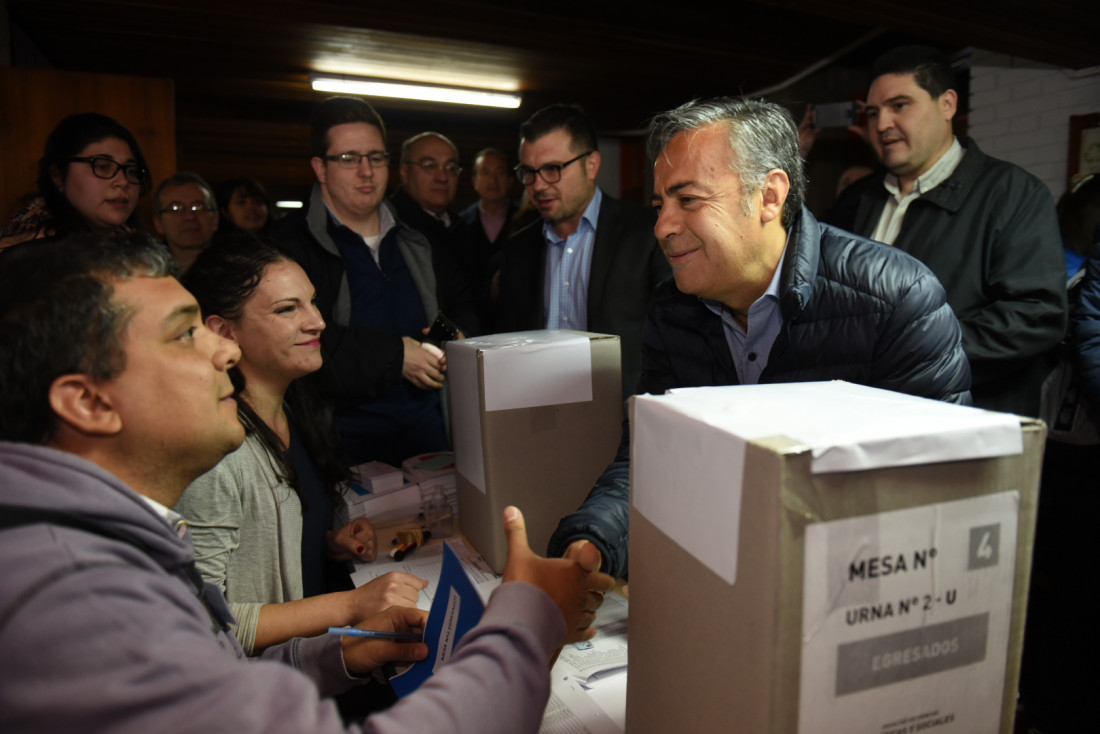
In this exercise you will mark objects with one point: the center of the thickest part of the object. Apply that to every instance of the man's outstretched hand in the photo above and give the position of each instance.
(575, 583)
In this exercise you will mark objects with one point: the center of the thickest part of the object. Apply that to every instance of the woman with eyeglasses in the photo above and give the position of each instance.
(89, 179)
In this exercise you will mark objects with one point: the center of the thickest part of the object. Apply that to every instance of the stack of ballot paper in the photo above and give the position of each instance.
(379, 492)
(372, 479)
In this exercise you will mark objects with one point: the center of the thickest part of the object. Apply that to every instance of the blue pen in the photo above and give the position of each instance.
(376, 634)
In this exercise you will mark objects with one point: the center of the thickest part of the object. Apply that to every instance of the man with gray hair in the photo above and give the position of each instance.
(185, 215)
(429, 181)
(763, 293)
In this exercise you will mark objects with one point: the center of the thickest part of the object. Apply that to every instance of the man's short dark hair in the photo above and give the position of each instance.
(762, 136)
(58, 317)
(568, 117)
(929, 66)
(179, 178)
(339, 111)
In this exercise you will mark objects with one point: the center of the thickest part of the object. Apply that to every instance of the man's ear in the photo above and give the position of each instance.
(403, 172)
(221, 327)
(592, 165)
(157, 225)
(949, 104)
(318, 168)
(55, 176)
(78, 401)
(774, 195)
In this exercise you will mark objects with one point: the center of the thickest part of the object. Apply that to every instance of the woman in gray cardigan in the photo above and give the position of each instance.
(262, 520)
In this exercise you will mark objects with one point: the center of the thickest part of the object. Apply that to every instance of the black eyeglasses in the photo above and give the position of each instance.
(550, 173)
(376, 159)
(177, 208)
(108, 168)
(430, 166)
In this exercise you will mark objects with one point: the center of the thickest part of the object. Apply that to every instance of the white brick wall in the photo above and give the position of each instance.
(1022, 114)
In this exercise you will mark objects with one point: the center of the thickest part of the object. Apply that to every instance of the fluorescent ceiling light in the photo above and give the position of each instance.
(401, 90)
(288, 204)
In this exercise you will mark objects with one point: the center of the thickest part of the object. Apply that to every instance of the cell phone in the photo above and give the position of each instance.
(443, 330)
(836, 114)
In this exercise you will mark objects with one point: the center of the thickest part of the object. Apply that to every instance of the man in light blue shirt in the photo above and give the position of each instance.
(592, 262)
(568, 262)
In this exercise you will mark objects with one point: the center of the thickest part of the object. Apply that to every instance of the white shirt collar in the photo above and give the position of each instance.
(940, 171)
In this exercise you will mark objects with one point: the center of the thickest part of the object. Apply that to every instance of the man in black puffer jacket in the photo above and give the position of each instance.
(763, 293)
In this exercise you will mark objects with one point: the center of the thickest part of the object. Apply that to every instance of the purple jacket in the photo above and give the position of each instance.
(98, 635)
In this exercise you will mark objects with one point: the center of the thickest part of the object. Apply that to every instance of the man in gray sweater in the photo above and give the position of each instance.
(113, 398)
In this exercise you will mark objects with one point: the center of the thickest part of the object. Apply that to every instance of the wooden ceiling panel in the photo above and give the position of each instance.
(241, 68)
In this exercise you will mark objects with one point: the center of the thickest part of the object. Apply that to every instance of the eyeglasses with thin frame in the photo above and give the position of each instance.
(198, 207)
(351, 159)
(107, 168)
(430, 166)
(550, 173)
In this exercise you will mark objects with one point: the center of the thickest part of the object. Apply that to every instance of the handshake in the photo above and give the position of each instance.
(574, 584)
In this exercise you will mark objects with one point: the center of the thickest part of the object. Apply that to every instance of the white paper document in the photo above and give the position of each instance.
(588, 681)
(526, 369)
(851, 427)
(588, 692)
(426, 563)
(906, 618)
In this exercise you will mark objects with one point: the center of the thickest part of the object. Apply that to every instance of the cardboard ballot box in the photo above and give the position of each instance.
(536, 418)
(826, 557)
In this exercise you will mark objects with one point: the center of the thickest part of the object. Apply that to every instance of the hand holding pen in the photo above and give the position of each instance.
(368, 650)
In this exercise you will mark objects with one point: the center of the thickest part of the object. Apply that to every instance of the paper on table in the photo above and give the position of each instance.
(456, 609)
(846, 427)
(426, 563)
(588, 681)
(605, 653)
(571, 710)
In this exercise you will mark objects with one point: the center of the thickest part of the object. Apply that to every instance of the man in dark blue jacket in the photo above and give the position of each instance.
(761, 292)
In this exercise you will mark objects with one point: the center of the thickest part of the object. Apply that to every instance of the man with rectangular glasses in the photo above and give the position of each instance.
(592, 262)
(376, 288)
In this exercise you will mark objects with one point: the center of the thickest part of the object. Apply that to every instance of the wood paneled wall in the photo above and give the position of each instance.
(33, 101)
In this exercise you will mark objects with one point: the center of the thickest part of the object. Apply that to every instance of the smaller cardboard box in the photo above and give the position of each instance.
(536, 418)
(826, 557)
